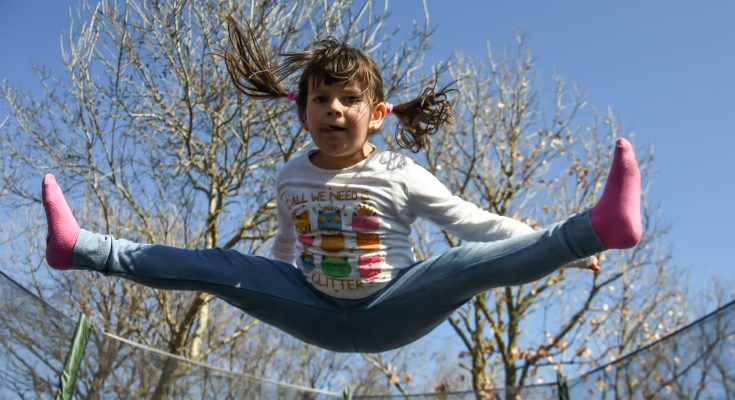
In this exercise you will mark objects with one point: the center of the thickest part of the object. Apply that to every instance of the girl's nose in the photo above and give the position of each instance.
(335, 107)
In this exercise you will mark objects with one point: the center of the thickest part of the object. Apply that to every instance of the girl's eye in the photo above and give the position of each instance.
(352, 99)
(320, 99)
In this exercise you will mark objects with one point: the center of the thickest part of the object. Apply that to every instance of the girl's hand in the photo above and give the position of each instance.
(594, 265)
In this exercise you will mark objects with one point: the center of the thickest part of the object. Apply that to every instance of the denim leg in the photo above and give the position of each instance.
(430, 291)
(272, 291)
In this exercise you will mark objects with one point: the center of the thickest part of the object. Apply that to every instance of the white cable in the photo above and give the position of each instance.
(218, 369)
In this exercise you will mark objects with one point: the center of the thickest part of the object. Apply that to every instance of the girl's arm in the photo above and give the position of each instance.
(284, 244)
(428, 198)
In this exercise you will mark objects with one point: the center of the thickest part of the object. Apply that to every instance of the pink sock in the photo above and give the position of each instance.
(63, 229)
(616, 218)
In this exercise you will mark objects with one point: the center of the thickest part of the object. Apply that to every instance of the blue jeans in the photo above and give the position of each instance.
(409, 307)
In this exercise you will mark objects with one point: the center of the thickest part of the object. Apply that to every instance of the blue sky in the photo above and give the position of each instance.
(665, 68)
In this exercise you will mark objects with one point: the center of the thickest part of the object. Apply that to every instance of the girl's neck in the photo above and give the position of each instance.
(319, 159)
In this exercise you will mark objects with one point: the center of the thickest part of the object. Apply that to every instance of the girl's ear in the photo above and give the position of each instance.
(377, 116)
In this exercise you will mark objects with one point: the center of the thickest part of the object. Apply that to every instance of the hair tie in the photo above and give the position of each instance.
(388, 108)
(292, 96)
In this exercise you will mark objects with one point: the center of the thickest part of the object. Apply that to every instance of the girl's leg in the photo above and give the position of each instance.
(426, 294)
(617, 216)
(272, 291)
(430, 291)
(63, 229)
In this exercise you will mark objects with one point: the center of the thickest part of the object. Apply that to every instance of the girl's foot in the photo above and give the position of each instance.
(63, 229)
(616, 218)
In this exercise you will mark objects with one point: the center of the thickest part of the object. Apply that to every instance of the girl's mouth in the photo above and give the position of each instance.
(334, 128)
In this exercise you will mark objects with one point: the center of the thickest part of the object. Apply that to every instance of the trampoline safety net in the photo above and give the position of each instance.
(697, 361)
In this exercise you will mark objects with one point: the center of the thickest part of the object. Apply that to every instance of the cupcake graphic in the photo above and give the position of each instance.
(337, 267)
(333, 242)
(370, 266)
(307, 261)
(307, 241)
(368, 241)
(364, 219)
(301, 220)
(329, 219)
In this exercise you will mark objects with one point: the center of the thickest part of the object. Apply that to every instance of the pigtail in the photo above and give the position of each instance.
(422, 116)
(254, 74)
(249, 66)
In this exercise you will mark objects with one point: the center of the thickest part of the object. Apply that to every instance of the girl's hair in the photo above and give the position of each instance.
(255, 74)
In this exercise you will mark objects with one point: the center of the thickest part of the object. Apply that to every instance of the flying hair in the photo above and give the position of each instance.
(332, 62)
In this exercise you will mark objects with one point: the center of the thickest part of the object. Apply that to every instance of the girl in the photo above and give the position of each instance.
(342, 274)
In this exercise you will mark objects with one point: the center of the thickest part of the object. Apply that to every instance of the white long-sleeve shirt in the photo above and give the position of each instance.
(348, 230)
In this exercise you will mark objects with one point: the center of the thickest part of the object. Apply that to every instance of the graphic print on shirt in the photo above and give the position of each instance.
(329, 219)
(336, 266)
(329, 223)
(368, 241)
(301, 220)
(303, 226)
(333, 242)
(370, 266)
(307, 241)
(364, 220)
(338, 233)
(307, 261)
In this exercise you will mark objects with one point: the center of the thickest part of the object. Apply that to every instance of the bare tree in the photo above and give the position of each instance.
(693, 362)
(152, 143)
(513, 155)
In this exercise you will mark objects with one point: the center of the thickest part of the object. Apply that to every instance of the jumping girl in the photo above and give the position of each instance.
(342, 274)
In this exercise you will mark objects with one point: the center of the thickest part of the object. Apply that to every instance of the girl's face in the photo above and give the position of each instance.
(339, 118)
